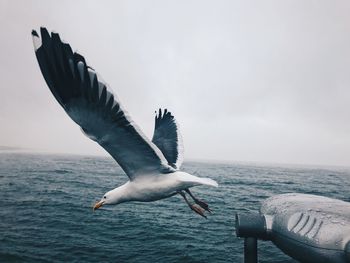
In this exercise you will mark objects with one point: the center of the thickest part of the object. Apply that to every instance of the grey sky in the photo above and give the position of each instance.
(265, 81)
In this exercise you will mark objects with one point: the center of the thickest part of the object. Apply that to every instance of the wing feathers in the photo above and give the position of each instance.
(87, 100)
(168, 138)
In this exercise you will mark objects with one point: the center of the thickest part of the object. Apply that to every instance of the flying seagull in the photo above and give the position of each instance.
(152, 166)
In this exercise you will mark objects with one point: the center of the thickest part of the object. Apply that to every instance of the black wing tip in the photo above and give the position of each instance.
(45, 38)
(54, 34)
(80, 58)
(34, 33)
(42, 39)
(163, 114)
(43, 30)
(36, 40)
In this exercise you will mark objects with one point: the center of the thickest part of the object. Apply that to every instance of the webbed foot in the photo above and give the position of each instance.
(203, 205)
(199, 210)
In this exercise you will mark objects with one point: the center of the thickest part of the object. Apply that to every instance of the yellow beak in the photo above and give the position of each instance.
(98, 205)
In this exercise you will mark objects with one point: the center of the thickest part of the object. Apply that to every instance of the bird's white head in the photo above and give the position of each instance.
(113, 197)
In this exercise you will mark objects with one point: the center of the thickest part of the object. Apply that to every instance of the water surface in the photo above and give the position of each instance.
(46, 215)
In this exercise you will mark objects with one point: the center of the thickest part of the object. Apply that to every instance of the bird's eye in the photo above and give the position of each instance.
(104, 197)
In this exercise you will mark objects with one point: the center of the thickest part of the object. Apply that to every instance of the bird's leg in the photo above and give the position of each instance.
(199, 202)
(194, 207)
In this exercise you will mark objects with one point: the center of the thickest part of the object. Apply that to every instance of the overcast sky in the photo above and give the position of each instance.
(262, 81)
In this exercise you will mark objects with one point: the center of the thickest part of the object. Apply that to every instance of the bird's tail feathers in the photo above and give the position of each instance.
(195, 180)
(208, 181)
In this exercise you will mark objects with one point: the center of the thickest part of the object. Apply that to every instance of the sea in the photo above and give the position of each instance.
(46, 210)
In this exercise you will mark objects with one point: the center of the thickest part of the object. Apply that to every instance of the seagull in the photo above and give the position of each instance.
(153, 167)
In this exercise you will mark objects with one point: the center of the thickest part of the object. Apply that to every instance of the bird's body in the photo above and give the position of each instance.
(150, 188)
(152, 166)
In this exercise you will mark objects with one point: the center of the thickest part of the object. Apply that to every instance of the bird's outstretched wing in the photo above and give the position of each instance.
(168, 138)
(89, 103)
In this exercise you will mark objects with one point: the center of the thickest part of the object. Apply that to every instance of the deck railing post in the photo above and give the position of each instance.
(251, 226)
(250, 250)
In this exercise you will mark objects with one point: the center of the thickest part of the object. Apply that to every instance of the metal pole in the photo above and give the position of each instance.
(250, 250)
